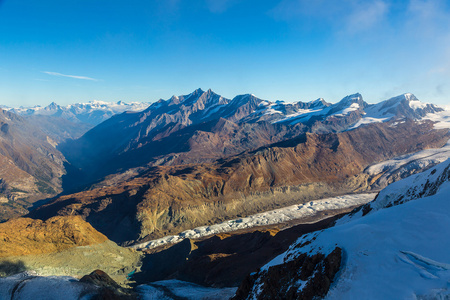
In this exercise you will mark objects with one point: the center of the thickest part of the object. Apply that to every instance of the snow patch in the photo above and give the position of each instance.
(346, 111)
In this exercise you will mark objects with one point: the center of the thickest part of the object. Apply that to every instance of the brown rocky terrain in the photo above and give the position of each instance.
(169, 199)
(30, 166)
(77, 261)
(25, 236)
(62, 246)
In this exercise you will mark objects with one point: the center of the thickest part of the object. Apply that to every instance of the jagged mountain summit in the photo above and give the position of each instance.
(395, 247)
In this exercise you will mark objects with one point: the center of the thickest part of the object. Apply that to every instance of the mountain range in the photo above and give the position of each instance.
(227, 159)
(203, 126)
(93, 112)
(132, 173)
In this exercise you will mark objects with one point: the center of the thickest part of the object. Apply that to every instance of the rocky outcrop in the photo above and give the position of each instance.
(305, 277)
(26, 236)
(109, 289)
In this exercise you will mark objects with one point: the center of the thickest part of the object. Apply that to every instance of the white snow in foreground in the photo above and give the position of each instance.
(28, 286)
(266, 218)
(184, 289)
(400, 252)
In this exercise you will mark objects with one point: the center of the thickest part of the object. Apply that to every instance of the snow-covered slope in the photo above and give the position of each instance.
(398, 250)
(93, 112)
(29, 285)
(406, 105)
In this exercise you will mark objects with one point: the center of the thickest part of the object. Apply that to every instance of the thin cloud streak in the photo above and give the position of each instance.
(70, 76)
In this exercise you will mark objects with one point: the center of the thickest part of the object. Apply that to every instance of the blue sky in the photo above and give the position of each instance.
(76, 51)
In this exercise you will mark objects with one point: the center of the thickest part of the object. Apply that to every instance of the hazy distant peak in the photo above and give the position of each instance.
(53, 105)
(320, 102)
(404, 97)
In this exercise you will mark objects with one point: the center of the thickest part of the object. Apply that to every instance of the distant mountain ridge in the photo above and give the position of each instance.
(203, 126)
(93, 112)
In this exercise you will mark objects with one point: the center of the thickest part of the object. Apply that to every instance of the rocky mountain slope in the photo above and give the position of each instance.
(61, 123)
(394, 247)
(30, 166)
(62, 246)
(169, 199)
(204, 126)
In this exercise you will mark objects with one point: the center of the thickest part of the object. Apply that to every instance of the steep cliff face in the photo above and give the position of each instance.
(305, 277)
(166, 200)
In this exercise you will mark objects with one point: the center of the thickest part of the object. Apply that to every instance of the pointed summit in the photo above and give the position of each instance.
(353, 98)
(53, 106)
(318, 103)
(403, 97)
(197, 92)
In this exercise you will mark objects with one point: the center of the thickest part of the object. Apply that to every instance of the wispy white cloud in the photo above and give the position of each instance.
(428, 18)
(70, 76)
(366, 15)
(349, 16)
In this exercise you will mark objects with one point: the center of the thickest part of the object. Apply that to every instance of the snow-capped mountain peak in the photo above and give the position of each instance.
(320, 102)
(353, 98)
